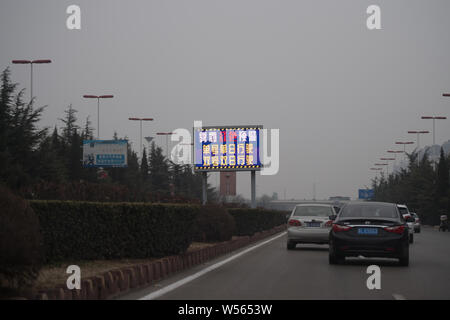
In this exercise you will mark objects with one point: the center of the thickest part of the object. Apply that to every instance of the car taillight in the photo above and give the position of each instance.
(328, 224)
(339, 228)
(294, 223)
(396, 229)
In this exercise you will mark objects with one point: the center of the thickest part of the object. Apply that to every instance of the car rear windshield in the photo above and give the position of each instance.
(313, 211)
(403, 210)
(369, 211)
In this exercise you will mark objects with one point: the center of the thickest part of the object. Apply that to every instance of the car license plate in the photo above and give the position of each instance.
(313, 224)
(369, 231)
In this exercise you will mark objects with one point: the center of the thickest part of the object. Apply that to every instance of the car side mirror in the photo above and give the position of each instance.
(333, 217)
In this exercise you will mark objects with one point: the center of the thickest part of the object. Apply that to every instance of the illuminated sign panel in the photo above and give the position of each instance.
(227, 148)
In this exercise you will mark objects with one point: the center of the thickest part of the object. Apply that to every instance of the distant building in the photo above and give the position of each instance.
(227, 183)
(288, 205)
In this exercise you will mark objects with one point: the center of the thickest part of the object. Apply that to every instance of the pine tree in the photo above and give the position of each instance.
(442, 183)
(19, 136)
(144, 167)
(75, 155)
(69, 121)
(6, 97)
(51, 167)
(159, 170)
(88, 132)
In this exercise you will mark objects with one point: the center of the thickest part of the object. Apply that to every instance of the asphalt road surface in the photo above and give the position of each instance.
(272, 272)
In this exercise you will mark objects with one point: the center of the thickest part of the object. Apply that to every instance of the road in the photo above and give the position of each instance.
(272, 272)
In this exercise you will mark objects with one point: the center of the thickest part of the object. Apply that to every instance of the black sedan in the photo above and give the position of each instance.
(369, 229)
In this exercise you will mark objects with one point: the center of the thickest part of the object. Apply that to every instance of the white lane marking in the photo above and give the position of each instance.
(398, 296)
(183, 281)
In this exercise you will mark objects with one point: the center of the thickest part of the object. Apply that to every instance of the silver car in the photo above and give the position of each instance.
(409, 220)
(309, 223)
(416, 223)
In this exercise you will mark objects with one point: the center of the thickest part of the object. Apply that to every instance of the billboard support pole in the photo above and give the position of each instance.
(204, 184)
(253, 187)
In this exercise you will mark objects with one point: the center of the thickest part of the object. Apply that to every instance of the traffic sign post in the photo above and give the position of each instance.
(365, 194)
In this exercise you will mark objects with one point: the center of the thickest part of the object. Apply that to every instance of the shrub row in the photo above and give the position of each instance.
(214, 223)
(250, 221)
(91, 230)
(74, 230)
(20, 244)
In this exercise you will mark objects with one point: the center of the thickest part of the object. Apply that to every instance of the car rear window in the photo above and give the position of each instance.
(313, 211)
(403, 210)
(369, 211)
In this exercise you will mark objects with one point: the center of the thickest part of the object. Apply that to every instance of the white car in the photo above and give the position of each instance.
(310, 223)
(416, 222)
(404, 211)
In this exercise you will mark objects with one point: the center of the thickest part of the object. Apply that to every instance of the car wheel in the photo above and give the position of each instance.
(411, 238)
(404, 258)
(290, 245)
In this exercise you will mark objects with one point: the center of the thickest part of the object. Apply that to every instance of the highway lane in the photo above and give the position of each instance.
(272, 272)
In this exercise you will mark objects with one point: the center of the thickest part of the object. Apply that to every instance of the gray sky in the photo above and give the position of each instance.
(339, 93)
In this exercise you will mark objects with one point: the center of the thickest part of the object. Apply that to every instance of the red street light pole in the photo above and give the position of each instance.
(88, 96)
(167, 134)
(404, 144)
(31, 62)
(434, 118)
(418, 132)
(376, 169)
(388, 159)
(140, 120)
(382, 164)
(395, 154)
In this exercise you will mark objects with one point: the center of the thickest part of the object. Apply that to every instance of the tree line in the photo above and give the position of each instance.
(46, 163)
(422, 185)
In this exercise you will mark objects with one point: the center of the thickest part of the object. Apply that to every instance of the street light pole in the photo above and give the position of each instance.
(376, 169)
(31, 62)
(404, 145)
(140, 136)
(167, 134)
(395, 156)
(434, 118)
(387, 168)
(382, 164)
(418, 132)
(88, 96)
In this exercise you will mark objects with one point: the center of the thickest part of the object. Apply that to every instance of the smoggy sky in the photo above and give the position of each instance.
(339, 93)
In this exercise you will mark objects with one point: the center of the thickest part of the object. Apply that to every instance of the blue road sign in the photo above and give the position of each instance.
(365, 194)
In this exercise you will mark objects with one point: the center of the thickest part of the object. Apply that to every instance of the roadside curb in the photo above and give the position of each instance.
(113, 283)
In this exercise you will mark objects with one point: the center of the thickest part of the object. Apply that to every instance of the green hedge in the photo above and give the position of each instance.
(91, 230)
(214, 223)
(250, 221)
(21, 252)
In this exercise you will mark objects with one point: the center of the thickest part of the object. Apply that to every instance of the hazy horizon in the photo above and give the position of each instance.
(340, 94)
